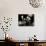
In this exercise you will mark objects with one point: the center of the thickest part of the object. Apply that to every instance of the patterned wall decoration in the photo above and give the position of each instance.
(5, 25)
(36, 3)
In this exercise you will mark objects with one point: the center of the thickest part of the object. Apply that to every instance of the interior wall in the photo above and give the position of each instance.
(11, 8)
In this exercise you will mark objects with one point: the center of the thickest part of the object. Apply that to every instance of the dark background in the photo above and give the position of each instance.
(28, 22)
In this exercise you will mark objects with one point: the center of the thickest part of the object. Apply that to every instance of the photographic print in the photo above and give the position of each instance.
(26, 19)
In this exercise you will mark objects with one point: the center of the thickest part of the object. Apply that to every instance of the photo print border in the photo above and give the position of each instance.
(25, 19)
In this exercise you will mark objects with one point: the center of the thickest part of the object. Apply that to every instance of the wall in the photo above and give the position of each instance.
(11, 8)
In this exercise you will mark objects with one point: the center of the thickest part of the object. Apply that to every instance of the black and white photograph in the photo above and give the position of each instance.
(26, 19)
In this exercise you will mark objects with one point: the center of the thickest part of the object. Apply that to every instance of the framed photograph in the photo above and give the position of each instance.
(26, 19)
